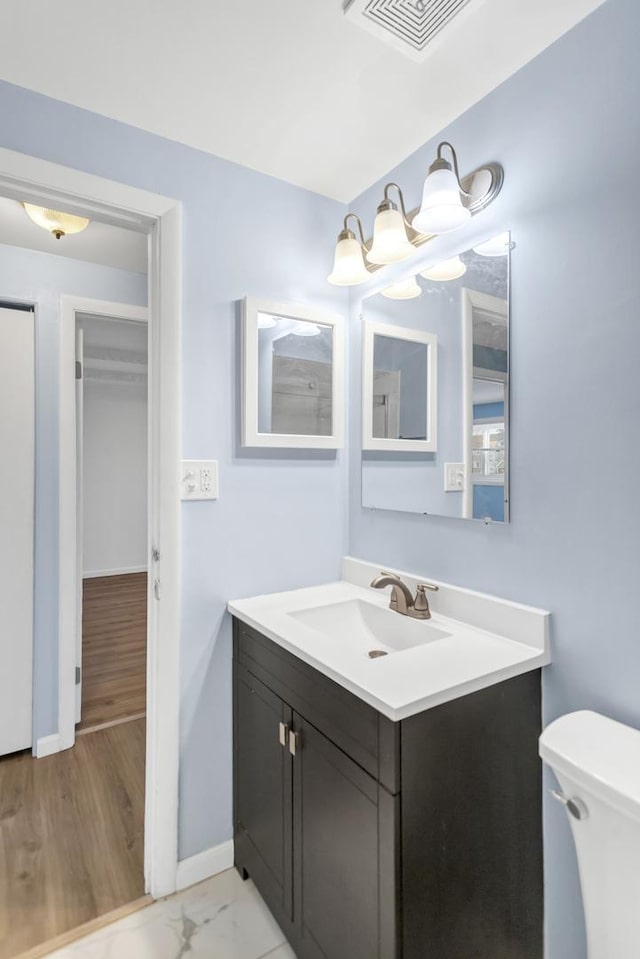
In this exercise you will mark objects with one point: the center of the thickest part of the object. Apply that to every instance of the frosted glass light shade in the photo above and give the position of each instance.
(441, 210)
(390, 240)
(348, 267)
(60, 224)
(307, 329)
(451, 269)
(496, 246)
(407, 289)
(266, 321)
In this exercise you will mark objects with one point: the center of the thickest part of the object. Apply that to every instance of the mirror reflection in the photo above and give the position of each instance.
(295, 389)
(399, 408)
(464, 303)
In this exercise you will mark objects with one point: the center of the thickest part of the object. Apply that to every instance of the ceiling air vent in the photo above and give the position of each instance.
(408, 25)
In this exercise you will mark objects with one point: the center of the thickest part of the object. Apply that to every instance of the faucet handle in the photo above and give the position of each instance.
(421, 603)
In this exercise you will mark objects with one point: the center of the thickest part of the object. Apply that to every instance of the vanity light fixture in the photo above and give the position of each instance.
(447, 203)
(390, 240)
(54, 221)
(442, 209)
(407, 289)
(495, 246)
(349, 268)
(451, 269)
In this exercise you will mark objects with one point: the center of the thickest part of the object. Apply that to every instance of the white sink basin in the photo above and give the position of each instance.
(368, 628)
(334, 626)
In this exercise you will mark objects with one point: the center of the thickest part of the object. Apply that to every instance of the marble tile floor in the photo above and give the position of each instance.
(221, 918)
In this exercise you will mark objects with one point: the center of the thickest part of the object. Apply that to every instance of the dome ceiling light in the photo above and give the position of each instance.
(54, 221)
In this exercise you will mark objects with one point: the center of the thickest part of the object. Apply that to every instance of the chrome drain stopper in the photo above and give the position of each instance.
(374, 653)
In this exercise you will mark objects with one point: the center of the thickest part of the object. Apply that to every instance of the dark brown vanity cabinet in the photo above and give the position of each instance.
(370, 839)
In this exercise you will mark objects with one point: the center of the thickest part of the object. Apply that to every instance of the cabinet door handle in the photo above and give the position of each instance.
(293, 742)
(283, 734)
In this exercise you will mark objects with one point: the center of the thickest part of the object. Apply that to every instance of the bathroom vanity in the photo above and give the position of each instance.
(397, 827)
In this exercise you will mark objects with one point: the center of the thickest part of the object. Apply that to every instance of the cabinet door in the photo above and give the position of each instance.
(263, 790)
(339, 820)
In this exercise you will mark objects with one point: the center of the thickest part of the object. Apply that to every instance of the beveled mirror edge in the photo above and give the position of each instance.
(250, 434)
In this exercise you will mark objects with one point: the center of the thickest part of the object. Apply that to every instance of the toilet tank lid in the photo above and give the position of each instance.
(599, 753)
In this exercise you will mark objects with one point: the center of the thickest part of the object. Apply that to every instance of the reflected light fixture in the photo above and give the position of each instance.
(307, 329)
(407, 289)
(266, 321)
(54, 221)
(442, 210)
(451, 269)
(349, 268)
(390, 240)
(495, 246)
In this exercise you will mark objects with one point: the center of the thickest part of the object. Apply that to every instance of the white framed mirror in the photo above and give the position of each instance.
(399, 389)
(293, 376)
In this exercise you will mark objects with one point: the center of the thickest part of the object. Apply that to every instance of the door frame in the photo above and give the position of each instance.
(24, 177)
(70, 493)
(474, 300)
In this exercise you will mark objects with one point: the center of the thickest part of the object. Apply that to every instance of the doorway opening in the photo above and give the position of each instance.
(91, 794)
(111, 489)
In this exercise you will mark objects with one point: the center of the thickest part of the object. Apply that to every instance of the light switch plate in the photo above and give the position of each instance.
(198, 479)
(453, 477)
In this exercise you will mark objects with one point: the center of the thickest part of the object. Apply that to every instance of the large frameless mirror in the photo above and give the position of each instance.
(462, 307)
(293, 376)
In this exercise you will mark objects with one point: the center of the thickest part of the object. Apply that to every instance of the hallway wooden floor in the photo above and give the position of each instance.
(114, 648)
(71, 835)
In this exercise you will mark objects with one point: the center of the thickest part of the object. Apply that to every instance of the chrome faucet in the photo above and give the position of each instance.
(401, 599)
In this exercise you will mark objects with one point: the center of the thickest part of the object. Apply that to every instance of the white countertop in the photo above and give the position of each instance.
(472, 657)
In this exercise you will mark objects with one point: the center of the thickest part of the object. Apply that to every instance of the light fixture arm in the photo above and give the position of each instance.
(400, 197)
(443, 164)
(346, 229)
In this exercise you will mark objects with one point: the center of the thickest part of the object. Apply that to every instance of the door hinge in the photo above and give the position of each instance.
(156, 588)
(78, 675)
(155, 554)
(78, 370)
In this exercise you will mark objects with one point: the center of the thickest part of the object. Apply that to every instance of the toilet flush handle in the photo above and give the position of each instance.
(573, 805)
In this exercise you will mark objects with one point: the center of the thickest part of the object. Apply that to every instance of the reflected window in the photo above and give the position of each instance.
(488, 449)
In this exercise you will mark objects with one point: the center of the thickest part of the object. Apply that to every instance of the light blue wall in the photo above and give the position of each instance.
(41, 278)
(566, 128)
(280, 521)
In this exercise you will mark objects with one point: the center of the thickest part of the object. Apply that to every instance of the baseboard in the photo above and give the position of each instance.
(95, 573)
(47, 745)
(204, 865)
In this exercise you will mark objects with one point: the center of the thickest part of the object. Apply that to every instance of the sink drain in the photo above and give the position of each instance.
(375, 653)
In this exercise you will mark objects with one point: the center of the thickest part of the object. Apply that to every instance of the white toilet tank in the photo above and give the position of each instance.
(597, 761)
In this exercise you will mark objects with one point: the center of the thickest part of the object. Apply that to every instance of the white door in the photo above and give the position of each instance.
(17, 469)
(79, 508)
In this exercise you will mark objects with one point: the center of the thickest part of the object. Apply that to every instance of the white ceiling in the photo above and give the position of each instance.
(99, 243)
(288, 87)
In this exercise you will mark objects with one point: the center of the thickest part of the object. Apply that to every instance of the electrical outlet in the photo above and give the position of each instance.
(206, 480)
(453, 477)
(198, 479)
